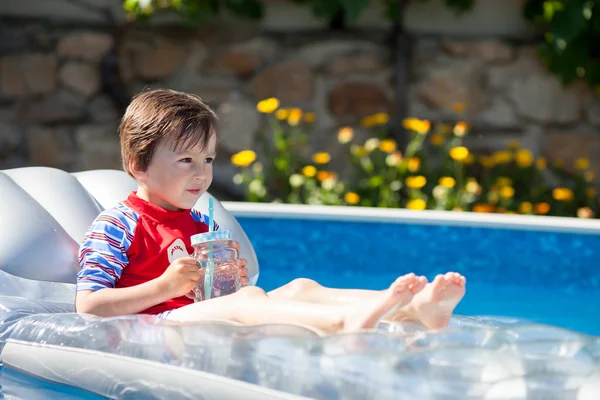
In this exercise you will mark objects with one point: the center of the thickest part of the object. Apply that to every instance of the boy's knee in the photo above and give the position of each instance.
(252, 291)
(300, 285)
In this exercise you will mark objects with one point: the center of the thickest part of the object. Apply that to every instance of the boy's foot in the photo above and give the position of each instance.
(433, 306)
(368, 313)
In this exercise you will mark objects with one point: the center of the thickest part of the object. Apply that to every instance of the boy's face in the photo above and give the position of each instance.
(175, 179)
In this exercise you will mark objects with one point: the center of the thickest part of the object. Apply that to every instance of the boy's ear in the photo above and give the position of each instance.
(137, 173)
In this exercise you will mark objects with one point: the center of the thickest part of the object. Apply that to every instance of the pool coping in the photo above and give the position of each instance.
(405, 216)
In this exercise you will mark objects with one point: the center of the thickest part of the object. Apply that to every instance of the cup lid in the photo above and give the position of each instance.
(210, 236)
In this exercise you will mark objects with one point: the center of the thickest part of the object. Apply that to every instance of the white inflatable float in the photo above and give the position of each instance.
(44, 214)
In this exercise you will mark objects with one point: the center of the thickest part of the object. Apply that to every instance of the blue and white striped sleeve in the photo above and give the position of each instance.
(199, 217)
(103, 253)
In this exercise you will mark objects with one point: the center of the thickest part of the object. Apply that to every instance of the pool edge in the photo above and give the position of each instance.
(405, 216)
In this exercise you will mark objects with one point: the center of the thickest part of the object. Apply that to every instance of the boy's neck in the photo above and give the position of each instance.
(145, 195)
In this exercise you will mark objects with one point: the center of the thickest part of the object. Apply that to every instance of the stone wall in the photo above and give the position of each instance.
(55, 107)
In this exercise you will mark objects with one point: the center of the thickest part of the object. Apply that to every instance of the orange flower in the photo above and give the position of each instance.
(387, 145)
(483, 208)
(324, 175)
(352, 198)
(413, 164)
(295, 116)
(541, 208)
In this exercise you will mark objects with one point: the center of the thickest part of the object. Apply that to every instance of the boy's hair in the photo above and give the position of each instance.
(163, 114)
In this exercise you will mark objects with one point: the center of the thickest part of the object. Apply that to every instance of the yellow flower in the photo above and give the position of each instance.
(503, 181)
(460, 129)
(375, 119)
(309, 171)
(243, 158)
(459, 153)
(447, 181)
(562, 194)
(321, 158)
(502, 157)
(345, 135)
(582, 164)
(513, 144)
(416, 182)
(458, 108)
(387, 145)
(416, 125)
(483, 208)
(524, 158)
(525, 207)
(416, 204)
(310, 117)
(590, 192)
(540, 163)
(324, 175)
(358, 151)
(352, 198)
(487, 161)
(541, 208)
(413, 164)
(295, 116)
(394, 159)
(507, 192)
(585, 212)
(437, 139)
(559, 162)
(267, 106)
(282, 114)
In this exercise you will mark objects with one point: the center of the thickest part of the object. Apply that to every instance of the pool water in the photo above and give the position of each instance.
(541, 276)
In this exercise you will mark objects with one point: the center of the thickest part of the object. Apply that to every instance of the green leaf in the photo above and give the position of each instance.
(130, 5)
(353, 8)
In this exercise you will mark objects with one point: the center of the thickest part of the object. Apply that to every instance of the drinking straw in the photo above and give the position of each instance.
(208, 277)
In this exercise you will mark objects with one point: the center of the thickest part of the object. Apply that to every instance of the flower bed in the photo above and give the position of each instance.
(434, 171)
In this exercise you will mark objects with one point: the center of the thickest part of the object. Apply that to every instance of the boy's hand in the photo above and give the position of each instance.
(241, 262)
(181, 277)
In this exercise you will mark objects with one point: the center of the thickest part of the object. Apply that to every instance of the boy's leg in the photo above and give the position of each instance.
(252, 306)
(431, 306)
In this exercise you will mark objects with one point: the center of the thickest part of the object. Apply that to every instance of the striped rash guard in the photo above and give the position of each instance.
(135, 242)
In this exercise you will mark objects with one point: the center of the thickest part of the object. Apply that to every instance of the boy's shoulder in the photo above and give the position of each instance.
(120, 216)
(199, 217)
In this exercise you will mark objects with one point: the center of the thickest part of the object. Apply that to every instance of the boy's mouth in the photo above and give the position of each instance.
(194, 191)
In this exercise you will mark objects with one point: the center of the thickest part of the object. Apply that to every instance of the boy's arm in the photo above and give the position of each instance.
(103, 256)
(179, 278)
(110, 302)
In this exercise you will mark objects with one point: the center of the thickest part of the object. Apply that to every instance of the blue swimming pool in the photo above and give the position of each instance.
(539, 275)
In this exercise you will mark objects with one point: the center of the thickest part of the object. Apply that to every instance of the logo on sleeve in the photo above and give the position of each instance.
(177, 250)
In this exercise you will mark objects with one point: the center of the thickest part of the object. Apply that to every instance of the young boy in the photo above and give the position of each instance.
(135, 257)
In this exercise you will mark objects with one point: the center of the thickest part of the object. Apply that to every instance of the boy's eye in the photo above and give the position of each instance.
(186, 160)
(209, 160)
